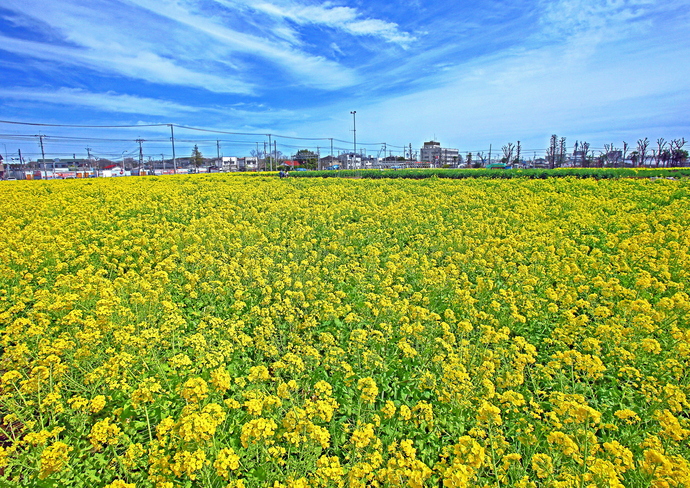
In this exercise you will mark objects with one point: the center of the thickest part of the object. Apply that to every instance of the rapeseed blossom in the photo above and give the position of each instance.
(231, 331)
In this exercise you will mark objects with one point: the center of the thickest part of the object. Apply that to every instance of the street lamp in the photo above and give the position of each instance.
(354, 134)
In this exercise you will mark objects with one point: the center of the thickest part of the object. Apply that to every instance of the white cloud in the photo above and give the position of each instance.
(108, 102)
(254, 115)
(582, 86)
(346, 19)
(336, 49)
(102, 37)
(177, 45)
(315, 71)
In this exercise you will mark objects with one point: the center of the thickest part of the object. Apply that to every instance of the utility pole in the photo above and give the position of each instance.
(270, 166)
(43, 157)
(88, 156)
(489, 153)
(141, 155)
(518, 151)
(275, 154)
(269, 161)
(318, 158)
(257, 155)
(411, 158)
(354, 135)
(172, 138)
(331, 151)
(218, 149)
(163, 163)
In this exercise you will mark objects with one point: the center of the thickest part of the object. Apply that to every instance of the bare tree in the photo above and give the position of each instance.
(625, 151)
(608, 152)
(661, 143)
(613, 154)
(508, 152)
(642, 145)
(584, 147)
(678, 155)
(561, 151)
(603, 158)
(552, 151)
(482, 158)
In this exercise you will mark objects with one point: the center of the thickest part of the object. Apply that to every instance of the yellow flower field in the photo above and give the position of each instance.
(230, 331)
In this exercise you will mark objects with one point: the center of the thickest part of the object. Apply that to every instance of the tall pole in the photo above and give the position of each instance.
(275, 154)
(88, 156)
(269, 161)
(354, 135)
(218, 149)
(489, 153)
(141, 154)
(43, 158)
(172, 139)
(331, 151)
(270, 165)
(518, 152)
(257, 155)
(163, 162)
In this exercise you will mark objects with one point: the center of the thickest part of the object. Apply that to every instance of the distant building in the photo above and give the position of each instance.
(437, 155)
(350, 160)
(228, 163)
(248, 163)
(328, 162)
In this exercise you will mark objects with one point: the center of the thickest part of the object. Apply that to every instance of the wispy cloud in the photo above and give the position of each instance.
(105, 42)
(108, 102)
(320, 72)
(345, 19)
(572, 80)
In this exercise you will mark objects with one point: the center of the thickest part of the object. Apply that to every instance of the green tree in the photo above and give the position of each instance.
(197, 159)
(307, 159)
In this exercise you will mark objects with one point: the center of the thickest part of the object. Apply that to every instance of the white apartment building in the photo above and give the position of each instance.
(437, 155)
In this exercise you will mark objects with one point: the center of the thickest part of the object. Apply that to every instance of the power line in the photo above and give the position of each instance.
(81, 126)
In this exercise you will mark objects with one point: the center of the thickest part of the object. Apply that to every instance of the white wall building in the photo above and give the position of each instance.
(437, 155)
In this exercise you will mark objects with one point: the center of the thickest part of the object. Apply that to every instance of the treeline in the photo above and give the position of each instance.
(598, 173)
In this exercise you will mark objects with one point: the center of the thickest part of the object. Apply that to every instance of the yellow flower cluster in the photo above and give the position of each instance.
(246, 331)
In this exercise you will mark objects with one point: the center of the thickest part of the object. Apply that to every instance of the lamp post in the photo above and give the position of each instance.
(354, 135)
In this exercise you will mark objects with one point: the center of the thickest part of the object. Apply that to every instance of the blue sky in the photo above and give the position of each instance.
(468, 74)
